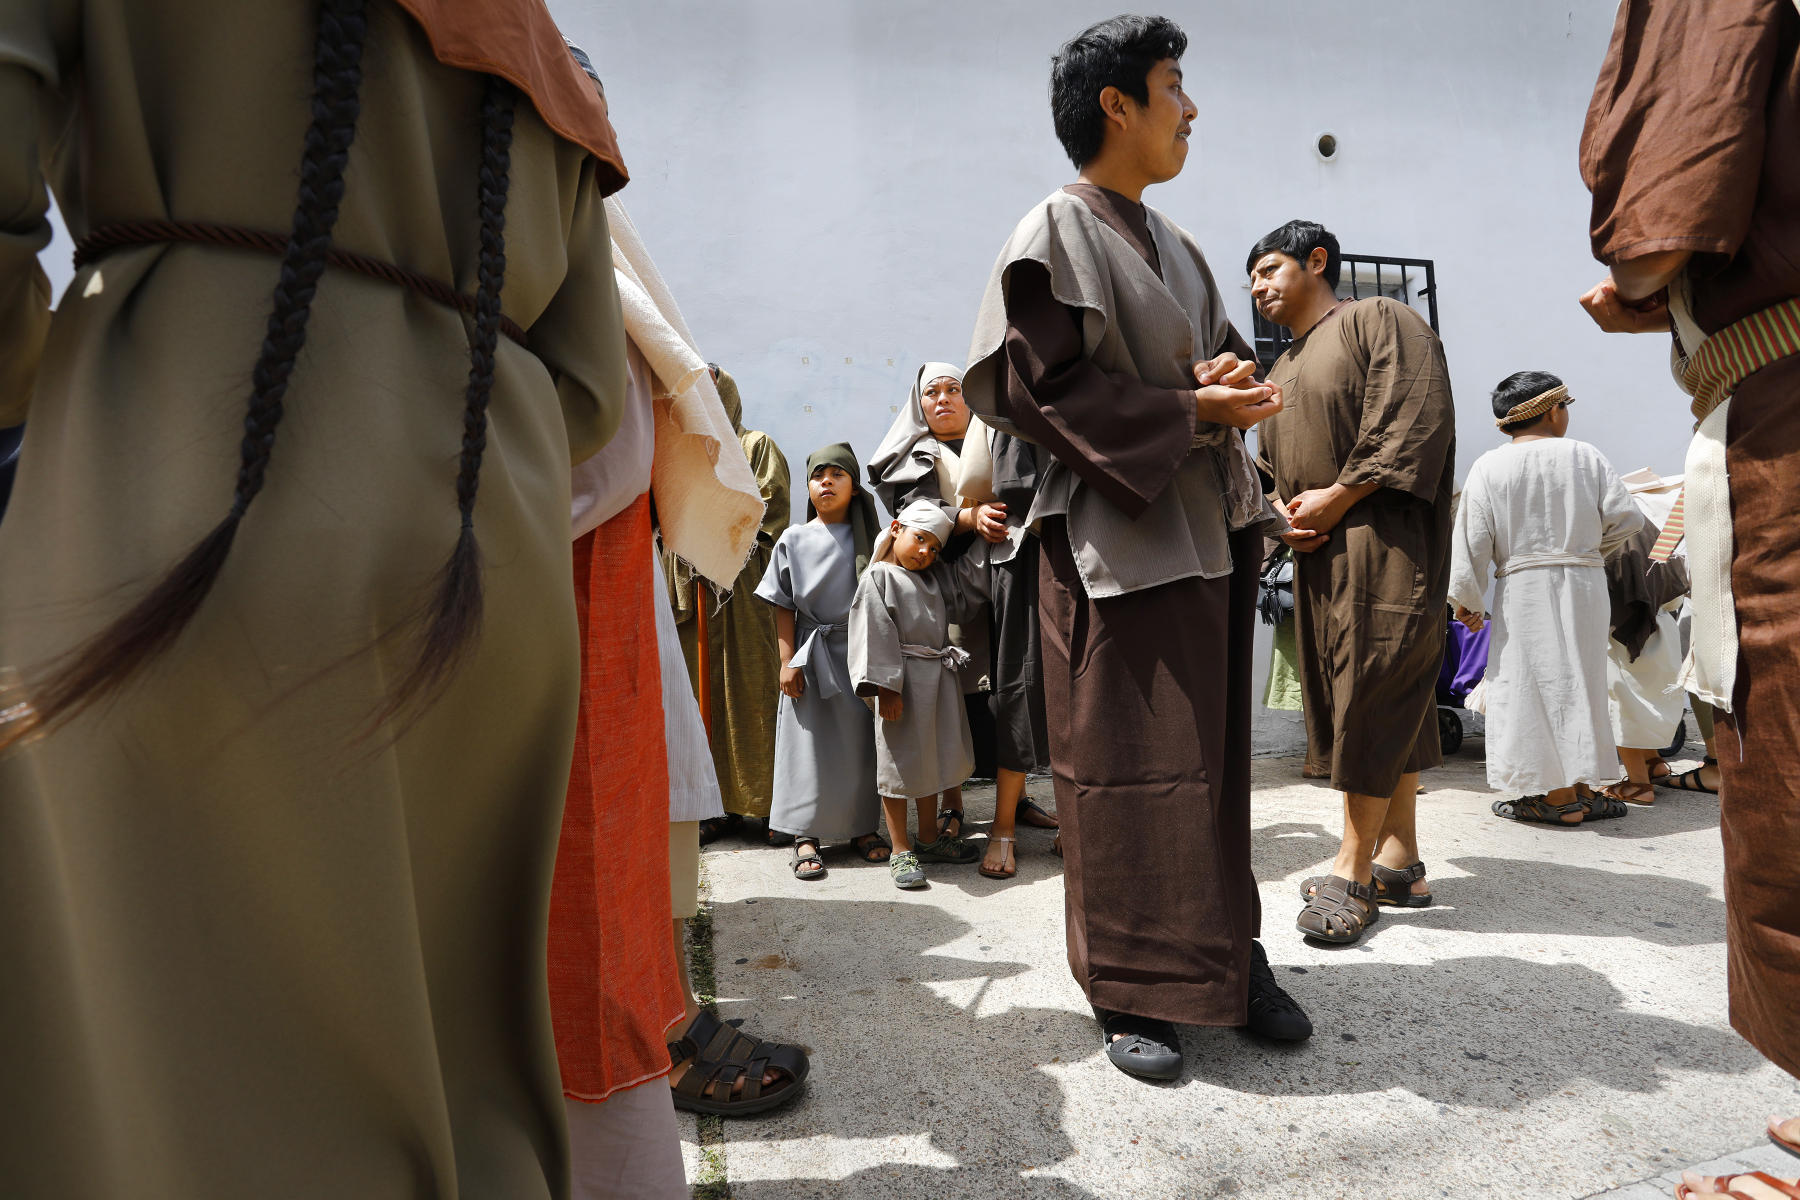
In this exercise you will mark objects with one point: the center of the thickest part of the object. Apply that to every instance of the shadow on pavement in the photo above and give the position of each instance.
(1513, 895)
(897, 1046)
(1485, 1031)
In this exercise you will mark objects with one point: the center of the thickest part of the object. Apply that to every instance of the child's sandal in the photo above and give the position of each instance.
(1009, 863)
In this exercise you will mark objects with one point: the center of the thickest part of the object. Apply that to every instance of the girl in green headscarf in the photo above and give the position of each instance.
(824, 740)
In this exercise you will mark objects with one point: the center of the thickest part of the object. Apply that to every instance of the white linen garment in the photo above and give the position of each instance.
(1541, 515)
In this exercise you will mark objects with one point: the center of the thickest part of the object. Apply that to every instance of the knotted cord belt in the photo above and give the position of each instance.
(121, 234)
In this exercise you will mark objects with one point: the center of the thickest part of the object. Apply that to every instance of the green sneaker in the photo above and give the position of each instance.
(905, 869)
(949, 850)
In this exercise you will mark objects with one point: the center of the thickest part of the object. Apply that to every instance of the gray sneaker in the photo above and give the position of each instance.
(905, 869)
(949, 850)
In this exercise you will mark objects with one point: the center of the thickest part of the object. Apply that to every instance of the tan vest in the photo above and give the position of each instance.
(1155, 330)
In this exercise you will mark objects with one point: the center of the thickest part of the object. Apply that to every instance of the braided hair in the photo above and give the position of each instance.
(117, 654)
(455, 614)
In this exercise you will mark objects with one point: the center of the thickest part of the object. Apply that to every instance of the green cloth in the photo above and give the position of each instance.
(744, 657)
(250, 953)
(865, 521)
(1283, 691)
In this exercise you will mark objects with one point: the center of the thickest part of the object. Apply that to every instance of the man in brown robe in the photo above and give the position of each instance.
(1695, 172)
(1364, 463)
(1098, 322)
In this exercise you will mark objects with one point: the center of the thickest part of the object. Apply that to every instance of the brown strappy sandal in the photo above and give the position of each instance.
(1721, 1186)
(1394, 887)
(719, 1056)
(1340, 913)
(1627, 792)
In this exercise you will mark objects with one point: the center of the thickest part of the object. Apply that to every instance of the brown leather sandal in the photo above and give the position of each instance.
(719, 1055)
(1395, 886)
(1340, 913)
(1721, 1186)
(1628, 792)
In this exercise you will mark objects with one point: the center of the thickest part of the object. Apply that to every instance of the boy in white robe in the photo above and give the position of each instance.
(1543, 512)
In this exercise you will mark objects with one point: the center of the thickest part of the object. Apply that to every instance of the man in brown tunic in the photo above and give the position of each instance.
(1099, 320)
(1695, 172)
(1363, 460)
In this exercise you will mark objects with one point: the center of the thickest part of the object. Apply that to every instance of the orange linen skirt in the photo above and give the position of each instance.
(614, 991)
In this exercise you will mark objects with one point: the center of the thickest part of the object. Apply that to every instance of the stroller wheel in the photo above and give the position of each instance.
(1450, 730)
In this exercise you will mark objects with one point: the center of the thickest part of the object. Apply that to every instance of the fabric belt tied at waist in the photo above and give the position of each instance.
(1702, 512)
(122, 234)
(1535, 562)
(954, 658)
(1713, 373)
(825, 673)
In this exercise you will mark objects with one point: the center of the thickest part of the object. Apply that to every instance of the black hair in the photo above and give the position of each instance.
(1117, 53)
(111, 658)
(1297, 240)
(1515, 390)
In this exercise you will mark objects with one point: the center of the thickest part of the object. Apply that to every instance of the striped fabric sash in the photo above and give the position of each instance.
(1713, 373)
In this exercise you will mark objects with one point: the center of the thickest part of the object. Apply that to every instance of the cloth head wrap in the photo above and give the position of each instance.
(924, 516)
(1535, 407)
(865, 521)
(910, 450)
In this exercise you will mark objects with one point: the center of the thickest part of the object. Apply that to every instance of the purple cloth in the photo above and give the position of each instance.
(1465, 662)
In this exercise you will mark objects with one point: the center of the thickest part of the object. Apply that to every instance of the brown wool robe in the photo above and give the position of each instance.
(249, 954)
(1682, 152)
(1149, 737)
(1368, 401)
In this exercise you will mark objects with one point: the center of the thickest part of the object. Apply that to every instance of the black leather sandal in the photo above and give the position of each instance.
(1141, 1046)
(719, 1055)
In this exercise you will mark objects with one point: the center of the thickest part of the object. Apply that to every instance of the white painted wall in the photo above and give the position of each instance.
(826, 182)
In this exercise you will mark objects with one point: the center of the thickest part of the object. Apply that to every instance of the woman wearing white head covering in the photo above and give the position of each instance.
(920, 459)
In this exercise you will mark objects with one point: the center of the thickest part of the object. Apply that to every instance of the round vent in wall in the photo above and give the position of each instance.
(1326, 147)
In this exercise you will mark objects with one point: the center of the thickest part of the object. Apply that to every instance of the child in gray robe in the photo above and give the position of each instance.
(902, 662)
(824, 747)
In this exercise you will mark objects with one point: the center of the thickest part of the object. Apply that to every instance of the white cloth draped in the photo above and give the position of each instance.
(708, 505)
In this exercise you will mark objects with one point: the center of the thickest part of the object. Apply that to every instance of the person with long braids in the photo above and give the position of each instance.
(284, 590)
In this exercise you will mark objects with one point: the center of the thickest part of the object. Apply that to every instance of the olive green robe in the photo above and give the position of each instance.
(248, 954)
(744, 657)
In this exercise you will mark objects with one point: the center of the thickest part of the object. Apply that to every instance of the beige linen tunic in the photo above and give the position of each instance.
(249, 955)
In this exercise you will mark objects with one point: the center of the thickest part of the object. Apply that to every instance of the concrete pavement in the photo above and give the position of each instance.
(1554, 1026)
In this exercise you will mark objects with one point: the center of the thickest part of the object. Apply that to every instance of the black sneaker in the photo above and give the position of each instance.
(1273, 1013)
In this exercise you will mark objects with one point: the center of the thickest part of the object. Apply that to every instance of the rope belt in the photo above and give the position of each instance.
(954, 658)
(122, 234)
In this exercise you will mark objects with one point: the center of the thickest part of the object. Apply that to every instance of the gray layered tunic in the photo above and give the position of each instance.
(824, 743)
(1096, 312)
(900, 641)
